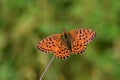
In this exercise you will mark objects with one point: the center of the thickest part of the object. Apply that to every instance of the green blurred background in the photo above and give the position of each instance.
(23, 23)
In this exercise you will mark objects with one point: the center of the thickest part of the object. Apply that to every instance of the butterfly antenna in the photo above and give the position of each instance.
(64, 29)
(47, 67)
(75, 22)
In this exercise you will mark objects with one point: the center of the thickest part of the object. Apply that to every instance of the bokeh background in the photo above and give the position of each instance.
(23, 23)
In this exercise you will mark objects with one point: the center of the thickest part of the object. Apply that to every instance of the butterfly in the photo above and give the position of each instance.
(67, 43)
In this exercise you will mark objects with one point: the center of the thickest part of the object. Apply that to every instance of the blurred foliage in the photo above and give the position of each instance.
(23, 23)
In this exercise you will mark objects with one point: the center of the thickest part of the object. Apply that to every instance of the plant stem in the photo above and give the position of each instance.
(47, 68)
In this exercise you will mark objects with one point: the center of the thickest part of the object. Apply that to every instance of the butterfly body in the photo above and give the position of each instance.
(67, 39)
(73, 42)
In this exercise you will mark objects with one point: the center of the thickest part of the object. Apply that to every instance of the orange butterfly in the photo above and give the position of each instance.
(73, 42)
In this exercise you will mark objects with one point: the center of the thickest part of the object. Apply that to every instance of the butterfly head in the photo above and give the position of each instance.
(66, 35)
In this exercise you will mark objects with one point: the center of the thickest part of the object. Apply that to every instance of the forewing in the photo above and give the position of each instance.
(48, 44)
(84, 35)
(62, 51)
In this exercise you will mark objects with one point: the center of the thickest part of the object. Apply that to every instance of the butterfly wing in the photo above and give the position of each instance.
(78, 46)
(85, 35)
(48, 44)
(80, 39)
(62, 51)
